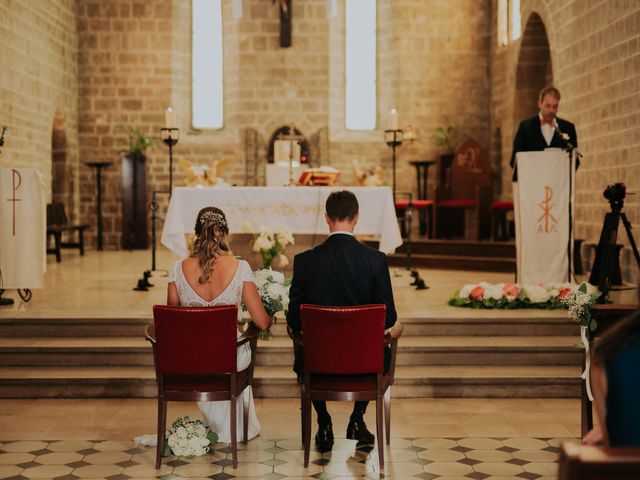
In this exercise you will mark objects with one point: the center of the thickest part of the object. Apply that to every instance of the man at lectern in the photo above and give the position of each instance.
(545, 130)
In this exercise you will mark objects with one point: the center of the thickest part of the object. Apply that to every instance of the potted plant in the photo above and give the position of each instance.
(447, 138)
(134, 189)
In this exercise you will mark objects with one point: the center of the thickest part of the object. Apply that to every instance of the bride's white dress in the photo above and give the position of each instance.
(216, 414)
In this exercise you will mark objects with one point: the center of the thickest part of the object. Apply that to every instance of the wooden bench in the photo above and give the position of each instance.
(57, 224)
(586, 462)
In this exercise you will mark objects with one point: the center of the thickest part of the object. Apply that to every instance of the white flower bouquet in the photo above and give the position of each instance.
(189, 437)
(273, 288)
(512, 295)
(579, 303)
(271, 245)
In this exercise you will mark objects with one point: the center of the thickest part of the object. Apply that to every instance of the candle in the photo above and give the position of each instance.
(169, 118)
(393, 120)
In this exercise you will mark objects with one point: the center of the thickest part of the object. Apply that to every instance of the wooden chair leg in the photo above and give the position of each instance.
(57, 238)
(245, 416)
(302, 417)
(162, 426)
(233, 431)
(380, 434)
(387, 415)
(307, 429)
(81, 242)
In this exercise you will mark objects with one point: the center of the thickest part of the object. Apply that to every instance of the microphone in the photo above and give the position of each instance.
(568, 145)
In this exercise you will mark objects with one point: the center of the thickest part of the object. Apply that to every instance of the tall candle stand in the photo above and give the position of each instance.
(170, 136)
(393, 138)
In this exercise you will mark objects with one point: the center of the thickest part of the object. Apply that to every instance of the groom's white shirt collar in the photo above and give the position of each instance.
(341, 231)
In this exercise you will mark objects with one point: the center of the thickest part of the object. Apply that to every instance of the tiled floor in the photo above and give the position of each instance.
(430, 438)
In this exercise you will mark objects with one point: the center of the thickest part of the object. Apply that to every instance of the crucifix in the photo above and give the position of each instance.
(285, 22)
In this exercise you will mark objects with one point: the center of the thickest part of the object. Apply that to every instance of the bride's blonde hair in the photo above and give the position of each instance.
(211, 239)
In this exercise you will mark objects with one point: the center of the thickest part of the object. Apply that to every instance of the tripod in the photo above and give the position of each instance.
(605, 261)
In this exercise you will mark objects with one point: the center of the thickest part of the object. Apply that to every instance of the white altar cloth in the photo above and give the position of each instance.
(296, 209)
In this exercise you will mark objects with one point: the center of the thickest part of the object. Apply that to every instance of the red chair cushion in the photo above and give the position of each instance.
(343, 340)
(202, 383)
(502, 206)
(417, 204)
(196, 340)
(458, 203)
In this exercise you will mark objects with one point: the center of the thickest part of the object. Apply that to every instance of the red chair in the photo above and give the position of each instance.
(404, 211)
(586, 462)
(344, 361)
(195, 355)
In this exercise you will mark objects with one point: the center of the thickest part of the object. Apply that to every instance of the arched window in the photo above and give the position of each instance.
(206, 97)
(509, 22)
(360, 71)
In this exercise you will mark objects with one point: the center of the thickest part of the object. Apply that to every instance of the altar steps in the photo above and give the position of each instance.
(457, 357)
(442, 254)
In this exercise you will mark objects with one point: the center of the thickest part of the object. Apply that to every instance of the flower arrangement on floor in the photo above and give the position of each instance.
(189, 437)
(273, 288)
(512, 295)
(271, 245)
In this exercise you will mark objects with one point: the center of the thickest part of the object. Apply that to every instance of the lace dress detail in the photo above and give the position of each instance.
(232, 295)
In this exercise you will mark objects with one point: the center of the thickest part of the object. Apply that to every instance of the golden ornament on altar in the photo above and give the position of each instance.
(202, 175)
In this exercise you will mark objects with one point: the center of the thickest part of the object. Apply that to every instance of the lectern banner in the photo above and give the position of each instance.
(22, 228)
(541, 200)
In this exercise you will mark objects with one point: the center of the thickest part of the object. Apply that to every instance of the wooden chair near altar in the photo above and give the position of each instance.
(57, 225)
(195, 356)
(354, 371)
(469, 188)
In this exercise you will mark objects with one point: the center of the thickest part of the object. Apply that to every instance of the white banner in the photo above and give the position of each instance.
(23, 258)
(297, 209)
(544, 248)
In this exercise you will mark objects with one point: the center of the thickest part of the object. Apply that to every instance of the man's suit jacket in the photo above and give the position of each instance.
(529, 138)
(339, 272)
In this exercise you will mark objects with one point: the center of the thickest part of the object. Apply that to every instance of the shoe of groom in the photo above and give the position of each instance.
(357, 430)
(324, 438)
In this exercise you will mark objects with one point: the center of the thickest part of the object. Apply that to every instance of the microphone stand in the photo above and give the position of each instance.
(570, 149)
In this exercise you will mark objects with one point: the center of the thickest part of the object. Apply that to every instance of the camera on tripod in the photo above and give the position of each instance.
(615, 194)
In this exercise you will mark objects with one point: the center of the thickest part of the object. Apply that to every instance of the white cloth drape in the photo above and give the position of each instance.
(22, 228)
(297, 209)
(541, 204)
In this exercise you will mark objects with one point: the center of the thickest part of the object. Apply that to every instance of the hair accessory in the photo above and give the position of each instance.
(215, 217)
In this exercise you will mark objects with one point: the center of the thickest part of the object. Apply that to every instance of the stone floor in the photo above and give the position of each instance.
(430, 438)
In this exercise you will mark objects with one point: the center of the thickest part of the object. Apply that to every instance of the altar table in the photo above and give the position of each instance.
(295, 209)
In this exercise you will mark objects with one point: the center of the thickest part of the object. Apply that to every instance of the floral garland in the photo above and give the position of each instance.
(512, 295)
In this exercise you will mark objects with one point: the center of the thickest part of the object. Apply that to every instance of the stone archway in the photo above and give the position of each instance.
(534, 70)
(62, 182)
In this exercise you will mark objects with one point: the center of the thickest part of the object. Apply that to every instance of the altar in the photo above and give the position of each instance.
(295, 209)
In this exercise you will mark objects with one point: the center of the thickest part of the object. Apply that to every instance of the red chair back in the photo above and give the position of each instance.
(343, 340)
(196, 340)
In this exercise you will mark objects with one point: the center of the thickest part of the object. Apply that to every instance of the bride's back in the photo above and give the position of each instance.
(224, 270)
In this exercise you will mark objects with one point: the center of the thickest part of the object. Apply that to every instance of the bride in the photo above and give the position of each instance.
(211, 276)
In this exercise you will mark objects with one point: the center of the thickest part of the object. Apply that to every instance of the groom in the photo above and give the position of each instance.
(340, 272)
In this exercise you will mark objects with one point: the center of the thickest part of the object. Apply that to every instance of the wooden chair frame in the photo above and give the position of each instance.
(586, 462)
(236, 386)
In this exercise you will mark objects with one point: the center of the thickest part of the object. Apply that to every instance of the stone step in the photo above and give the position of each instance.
(412, 350)
(472, 324)
(455, 262)
(411, 382)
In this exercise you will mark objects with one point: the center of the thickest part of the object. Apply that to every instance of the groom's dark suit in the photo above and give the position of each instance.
(339, 272)
(529, 138)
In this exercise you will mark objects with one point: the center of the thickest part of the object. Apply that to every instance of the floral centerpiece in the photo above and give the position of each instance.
(271, 245)
(189, 437)
(273, 288)
(512, 295)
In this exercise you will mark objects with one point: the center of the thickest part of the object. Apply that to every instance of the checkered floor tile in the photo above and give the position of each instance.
(274, 459)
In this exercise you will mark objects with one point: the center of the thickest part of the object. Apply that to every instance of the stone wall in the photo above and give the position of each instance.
(38, 100)
(594, 50)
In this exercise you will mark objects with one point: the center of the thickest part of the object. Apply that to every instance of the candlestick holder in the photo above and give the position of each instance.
(393, 138)
(170, 136)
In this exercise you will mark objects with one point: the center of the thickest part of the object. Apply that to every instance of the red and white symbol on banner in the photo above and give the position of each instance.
(17, 181)
(547, 222)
